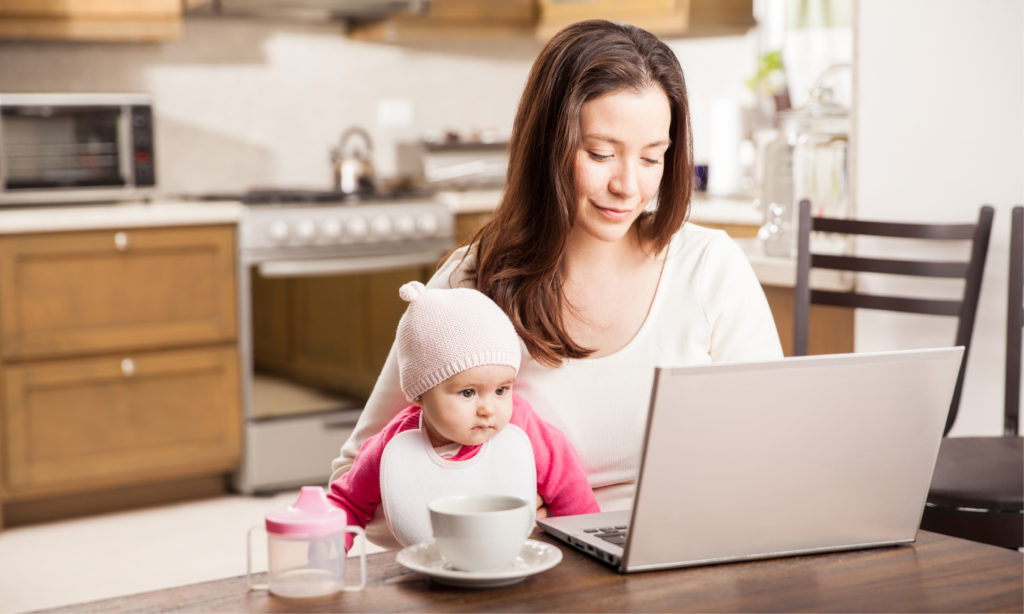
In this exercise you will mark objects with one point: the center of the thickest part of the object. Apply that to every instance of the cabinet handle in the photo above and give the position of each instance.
(127, 367)
(121, 241)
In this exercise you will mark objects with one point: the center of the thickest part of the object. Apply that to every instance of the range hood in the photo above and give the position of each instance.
(355, 10)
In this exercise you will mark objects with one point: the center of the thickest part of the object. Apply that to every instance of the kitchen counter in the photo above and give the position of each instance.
(470, 201)
(704, 209)
(772, 271)
(157, 213)
(781, 272)
(725, 211)
(712, 211)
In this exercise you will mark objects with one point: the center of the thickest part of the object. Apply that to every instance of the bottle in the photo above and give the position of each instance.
(807, 161)
(777, 196)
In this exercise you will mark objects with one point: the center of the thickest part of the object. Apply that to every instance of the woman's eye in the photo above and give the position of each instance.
(598, 157)
(652, 160)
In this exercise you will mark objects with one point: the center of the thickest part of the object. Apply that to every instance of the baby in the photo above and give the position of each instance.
(467, 431)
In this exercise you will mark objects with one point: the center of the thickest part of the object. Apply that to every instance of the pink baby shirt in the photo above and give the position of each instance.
(560, 479)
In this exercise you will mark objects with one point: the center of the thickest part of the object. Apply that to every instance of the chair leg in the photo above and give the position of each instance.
(1005, 529)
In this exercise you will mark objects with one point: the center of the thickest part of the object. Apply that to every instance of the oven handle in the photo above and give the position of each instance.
(350, 264)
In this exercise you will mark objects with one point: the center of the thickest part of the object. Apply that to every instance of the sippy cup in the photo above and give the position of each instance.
(306, 548)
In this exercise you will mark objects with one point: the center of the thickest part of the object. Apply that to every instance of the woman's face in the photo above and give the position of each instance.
(620, 160)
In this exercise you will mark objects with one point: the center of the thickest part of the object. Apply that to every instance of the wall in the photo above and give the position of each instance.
(243, 103)
(939, 130)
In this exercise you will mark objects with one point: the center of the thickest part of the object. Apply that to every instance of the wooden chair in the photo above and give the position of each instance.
(970, 272)
(977, 489)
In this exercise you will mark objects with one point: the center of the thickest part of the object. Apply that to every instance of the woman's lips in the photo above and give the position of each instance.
(616, 215)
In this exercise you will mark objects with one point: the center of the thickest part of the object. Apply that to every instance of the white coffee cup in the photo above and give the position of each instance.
(480, 532)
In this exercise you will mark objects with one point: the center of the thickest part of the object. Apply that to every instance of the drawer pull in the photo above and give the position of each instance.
(121, 241)
(128, 367)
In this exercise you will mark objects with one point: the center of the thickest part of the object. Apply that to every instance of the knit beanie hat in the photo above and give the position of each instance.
(446, 331)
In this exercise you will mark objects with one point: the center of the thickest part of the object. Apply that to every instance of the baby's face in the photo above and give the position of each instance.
(470, 407)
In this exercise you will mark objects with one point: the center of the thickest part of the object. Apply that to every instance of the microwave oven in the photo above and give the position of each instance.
(75, 148)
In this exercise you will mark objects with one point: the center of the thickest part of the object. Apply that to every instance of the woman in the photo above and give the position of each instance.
(589, 255)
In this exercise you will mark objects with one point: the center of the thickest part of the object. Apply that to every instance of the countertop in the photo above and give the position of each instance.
(704, 208)
(171, 211)
(470, 201)
(725, 210)
(157, 213)
(174, 212)
(778, 271)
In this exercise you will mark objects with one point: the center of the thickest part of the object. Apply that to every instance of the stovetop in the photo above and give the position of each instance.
(332, 222)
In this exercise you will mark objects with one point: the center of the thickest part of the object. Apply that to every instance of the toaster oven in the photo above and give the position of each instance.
(70, 148)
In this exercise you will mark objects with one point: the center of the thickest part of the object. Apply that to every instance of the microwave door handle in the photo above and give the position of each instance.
(124, 142)
(349, 264)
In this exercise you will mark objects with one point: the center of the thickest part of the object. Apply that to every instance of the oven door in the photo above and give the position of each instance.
(316, 333)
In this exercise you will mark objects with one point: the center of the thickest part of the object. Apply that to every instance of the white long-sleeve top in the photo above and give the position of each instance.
(708, 307)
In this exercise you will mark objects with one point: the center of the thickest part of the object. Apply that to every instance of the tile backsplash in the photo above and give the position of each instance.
(242, 103)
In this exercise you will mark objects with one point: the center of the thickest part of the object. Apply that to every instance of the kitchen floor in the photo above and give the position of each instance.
(84, 559)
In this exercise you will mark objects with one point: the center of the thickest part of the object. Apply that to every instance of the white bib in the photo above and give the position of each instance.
(412, 475)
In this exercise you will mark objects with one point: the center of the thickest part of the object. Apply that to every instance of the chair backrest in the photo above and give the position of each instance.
(1014, 322)
(970, 272)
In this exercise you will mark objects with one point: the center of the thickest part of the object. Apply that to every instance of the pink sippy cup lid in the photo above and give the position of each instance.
(311, 514)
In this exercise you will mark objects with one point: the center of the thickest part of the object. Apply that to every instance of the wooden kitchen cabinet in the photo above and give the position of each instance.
(72, 293)
(119, 365)
(91, 20)
(736, 231)
(74, 425)
(487, 19)
(831, 329)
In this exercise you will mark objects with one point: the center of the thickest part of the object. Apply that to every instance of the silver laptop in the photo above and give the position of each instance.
(758, 460)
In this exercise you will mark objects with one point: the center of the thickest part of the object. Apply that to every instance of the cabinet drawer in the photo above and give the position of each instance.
(72, 293)
(117, 420)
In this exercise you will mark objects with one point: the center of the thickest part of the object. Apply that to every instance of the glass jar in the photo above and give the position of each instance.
(808, 160)
(777, 195)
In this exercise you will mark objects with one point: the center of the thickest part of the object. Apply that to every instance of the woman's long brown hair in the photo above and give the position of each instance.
(520, 250)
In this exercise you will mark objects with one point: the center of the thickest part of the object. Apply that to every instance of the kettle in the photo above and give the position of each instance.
(353, 171)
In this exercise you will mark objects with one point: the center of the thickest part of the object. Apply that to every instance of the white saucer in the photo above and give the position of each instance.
(535, 557)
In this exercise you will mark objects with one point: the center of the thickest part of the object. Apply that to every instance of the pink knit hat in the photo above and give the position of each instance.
(446, 331)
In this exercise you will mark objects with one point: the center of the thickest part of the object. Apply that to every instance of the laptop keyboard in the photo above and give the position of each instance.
(614, 535)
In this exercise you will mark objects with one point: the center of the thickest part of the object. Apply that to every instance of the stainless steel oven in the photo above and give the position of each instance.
(319, 276)
(65, 148)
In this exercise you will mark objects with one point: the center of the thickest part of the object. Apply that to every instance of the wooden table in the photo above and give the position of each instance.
(935, 574)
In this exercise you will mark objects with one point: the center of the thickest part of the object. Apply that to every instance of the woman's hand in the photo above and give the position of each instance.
(542, 510)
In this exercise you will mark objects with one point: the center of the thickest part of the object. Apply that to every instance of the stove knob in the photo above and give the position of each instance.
(356, 227)
(331, 229)
(381, 226)
(427, 224)
(278, 231)
(404, 226)
(306, 230)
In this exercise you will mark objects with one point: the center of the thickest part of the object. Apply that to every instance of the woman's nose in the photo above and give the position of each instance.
(624, 182)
